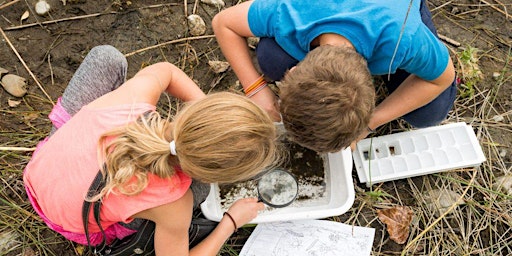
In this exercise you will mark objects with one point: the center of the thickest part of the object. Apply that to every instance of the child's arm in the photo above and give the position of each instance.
(242, 211)
(412, 94)
(149, 83)
(231, 29)
(173, 221)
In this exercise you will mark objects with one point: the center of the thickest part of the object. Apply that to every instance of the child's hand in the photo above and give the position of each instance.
(363, 135)
(268, 102)
(244, 210)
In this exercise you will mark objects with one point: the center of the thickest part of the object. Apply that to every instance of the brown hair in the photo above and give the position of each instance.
(222, 138)
(327, 99)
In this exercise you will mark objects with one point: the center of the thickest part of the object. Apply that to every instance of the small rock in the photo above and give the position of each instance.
(441, 200)
(3, 71)
(253, 41)
(503, 153)
(42, 8)
(9, 240)
(13, 103)
(498, 118)
(216, 3)
(496, 75)
(218, 66)
(15, 85)
(503, 183)
(196, 25)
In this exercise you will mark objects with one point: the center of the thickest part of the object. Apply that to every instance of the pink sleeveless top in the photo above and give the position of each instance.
(60, 172)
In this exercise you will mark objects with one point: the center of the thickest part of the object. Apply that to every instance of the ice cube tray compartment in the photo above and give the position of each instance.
(417, 152)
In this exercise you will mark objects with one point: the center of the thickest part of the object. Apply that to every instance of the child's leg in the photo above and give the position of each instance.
(272, 59)
(437, 110)
(103, 70)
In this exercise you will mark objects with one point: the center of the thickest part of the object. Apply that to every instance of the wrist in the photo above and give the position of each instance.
(229, 218)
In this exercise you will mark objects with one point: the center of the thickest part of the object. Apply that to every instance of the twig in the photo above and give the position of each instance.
(169, 42)
(25, 65)
(16, 149)
(9, 4)
(448, 40)
(58, 20)
(497, 9)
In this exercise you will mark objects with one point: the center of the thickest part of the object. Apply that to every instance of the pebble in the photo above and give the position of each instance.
(196, 25)
(503, 184)
(503, 153)
(42, 7)
(3, 71)
(498, 118)
(218, 66)
(440, 200)
(15, 85)
(216, 3)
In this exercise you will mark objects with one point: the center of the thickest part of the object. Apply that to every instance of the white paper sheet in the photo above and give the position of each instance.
(309, 238)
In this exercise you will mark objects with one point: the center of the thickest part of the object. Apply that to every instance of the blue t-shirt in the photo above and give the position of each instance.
(372, 26)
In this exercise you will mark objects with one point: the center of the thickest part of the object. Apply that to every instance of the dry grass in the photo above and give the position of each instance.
(481, 225)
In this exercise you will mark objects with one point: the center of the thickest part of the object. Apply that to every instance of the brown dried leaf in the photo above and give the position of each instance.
(397, 220)
(24, 16)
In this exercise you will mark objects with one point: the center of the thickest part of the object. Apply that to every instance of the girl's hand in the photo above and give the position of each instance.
(244, 210)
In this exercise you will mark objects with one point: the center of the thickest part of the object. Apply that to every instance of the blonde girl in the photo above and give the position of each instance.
(154, 169)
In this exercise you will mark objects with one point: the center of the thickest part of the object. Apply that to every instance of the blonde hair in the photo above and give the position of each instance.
(327, 100)
(222, 138)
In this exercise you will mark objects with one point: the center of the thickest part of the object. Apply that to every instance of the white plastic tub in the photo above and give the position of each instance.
(339, 195)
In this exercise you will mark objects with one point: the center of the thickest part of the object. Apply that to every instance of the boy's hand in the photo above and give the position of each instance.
(268, 102)
(363, 135)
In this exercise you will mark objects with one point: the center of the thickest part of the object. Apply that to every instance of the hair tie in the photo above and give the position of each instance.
(172, 147)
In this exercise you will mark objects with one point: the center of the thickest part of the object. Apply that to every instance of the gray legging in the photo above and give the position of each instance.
(102, 71)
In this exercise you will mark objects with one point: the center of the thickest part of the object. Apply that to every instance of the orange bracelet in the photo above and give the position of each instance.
(258, 89)
(255, 85)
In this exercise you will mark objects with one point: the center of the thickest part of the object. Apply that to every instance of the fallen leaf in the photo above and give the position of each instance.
(13, 103)
(397, 220)
(24, 16)
(30, 116)
(80, 249)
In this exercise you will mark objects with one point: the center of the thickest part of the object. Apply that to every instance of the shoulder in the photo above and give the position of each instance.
(427, 56)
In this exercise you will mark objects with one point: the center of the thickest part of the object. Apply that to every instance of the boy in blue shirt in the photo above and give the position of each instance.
(327, 99)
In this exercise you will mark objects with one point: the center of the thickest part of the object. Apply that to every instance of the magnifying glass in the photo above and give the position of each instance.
(277, 188)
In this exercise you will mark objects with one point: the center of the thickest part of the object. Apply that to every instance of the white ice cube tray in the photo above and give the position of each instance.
(339, 192)
(417, 152)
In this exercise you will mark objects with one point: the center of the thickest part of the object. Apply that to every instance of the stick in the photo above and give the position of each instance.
(80, 17)
(9, 4)
(448, 40)
(25, 65)
(16, 149)
(497, 9)
(58, 20)
(169, 42)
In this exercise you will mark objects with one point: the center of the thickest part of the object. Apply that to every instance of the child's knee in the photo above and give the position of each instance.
(108, 54)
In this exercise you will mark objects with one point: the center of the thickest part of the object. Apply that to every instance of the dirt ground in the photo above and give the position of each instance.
(53, 46)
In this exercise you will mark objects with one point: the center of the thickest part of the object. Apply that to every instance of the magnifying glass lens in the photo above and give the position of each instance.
(278, 188)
